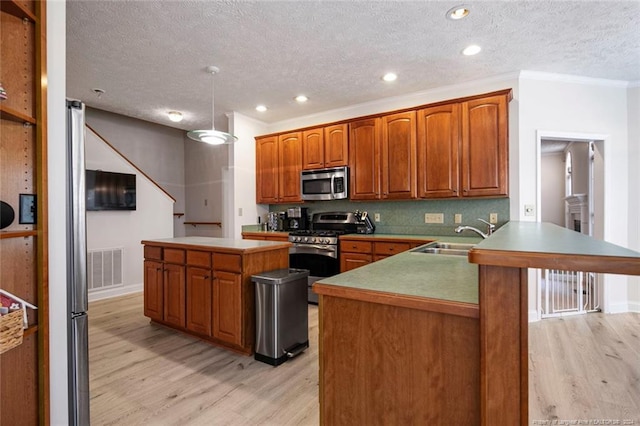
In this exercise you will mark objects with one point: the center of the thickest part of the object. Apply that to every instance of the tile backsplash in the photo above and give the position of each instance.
(408, 217)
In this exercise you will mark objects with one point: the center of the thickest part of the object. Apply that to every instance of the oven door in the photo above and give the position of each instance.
(321, 261)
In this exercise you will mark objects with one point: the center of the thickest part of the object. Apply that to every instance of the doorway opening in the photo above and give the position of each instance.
(570, 194)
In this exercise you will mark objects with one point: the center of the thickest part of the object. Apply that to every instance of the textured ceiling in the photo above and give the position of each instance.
(150, 56)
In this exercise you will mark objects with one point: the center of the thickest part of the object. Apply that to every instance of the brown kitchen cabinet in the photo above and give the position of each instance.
(227, 293)
(438, 151)
(24, 369)
(364, 159)
(153, 290)
(206, 286)
(382, 157)
(463, 148)
(278, 167)
(485, 146)
(359, 250)
(398, 154)
(325, 147)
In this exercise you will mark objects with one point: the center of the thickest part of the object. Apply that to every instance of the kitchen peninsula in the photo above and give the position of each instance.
(202, 286)
(454, 348)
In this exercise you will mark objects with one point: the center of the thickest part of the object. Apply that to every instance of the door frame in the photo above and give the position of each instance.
(601, 142)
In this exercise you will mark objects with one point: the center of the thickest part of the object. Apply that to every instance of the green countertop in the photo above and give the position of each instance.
(409, 273)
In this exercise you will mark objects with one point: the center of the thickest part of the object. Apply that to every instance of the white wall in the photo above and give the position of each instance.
(153, 218)
(633, 103)
(553, 192)
(241, 201)
(578, 105)
(155, 149)
(204, 186)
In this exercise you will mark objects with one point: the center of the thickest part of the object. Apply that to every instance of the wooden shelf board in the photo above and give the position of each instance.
(15, 9)
(7, 113)
(204, 223)
(18, 234)
(178, 214)
(30, 330)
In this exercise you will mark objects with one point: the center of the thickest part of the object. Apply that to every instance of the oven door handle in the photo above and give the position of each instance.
(321, 250)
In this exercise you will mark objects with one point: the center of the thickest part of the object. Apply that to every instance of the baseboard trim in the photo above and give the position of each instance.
(114, 292)
(533, 316)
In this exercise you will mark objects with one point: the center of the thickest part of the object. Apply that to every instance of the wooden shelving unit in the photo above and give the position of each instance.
(203, 223)
(24, 370)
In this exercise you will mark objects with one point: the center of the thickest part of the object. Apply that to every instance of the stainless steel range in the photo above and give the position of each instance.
(317, 249)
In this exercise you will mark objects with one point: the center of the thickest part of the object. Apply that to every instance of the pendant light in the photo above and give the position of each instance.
(213, 136)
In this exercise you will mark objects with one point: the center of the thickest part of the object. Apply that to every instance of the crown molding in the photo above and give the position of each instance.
(568, 78)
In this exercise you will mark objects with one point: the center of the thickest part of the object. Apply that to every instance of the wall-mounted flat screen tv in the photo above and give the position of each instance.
(110, 191)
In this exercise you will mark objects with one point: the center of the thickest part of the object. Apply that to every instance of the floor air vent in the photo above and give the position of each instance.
(104, 268)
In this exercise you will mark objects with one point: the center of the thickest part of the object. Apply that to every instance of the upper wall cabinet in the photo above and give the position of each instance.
(438, 148)
(485, 147)
(278, 167)
(325, 147)
(382, 157)
(452, 149)
(463, 149)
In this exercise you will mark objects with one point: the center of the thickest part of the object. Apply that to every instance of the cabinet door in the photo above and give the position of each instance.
(349, 261)
(199, 300)
(313, 149)
(174, 294)
(267, 170)
(227, 307)
(438, 142)
(153, 290)
(399, 156)
(485, 150)
(364, 159)
(290, 155)
(336, 146)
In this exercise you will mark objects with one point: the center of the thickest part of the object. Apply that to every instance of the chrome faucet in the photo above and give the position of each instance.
(490, 228)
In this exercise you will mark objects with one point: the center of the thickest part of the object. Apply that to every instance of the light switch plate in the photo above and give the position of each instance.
(376, 217)
(457, 218)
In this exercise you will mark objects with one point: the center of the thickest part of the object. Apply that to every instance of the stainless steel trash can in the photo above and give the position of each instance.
(282, 323)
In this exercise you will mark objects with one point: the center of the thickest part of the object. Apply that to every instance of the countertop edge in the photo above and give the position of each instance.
(443, 306)
(272, 245)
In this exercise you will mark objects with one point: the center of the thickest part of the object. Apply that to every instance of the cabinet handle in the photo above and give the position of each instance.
(158, 269)
(455, 192)
(206, 277)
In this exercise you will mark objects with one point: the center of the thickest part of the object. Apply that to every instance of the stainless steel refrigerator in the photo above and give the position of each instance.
(78, 333)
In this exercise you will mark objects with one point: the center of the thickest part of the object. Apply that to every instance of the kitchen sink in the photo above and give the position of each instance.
(437, 247)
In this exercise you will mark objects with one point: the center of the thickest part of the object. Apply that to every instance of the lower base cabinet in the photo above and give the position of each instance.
(199, 295)
(205, 292)
(226, 302)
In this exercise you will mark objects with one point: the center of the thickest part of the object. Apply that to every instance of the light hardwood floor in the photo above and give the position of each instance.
(584, 367)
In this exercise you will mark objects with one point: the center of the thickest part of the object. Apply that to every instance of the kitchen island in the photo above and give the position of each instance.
(404, 341)
(202, 286)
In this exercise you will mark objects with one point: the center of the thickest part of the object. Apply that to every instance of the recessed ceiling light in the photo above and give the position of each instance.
(390, 76)
(261, 108)
(471, 50)
(457, 12)
(301, 99)
(175, 116)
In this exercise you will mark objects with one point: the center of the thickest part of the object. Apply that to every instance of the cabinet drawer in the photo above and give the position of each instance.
(227, 262)
(355, 246)
(199, 258)
(153, 253)
(173, 255)
(390, 248)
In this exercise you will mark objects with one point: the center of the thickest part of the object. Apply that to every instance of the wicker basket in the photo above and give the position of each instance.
(11, 330)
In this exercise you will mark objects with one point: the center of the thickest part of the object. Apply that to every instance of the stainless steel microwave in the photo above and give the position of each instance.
(325, 184)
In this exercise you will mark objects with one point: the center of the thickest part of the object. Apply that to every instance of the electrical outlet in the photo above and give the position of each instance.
(376, 217)
(493, 218)
(529, 210)
(457, 218)
(433, 218)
